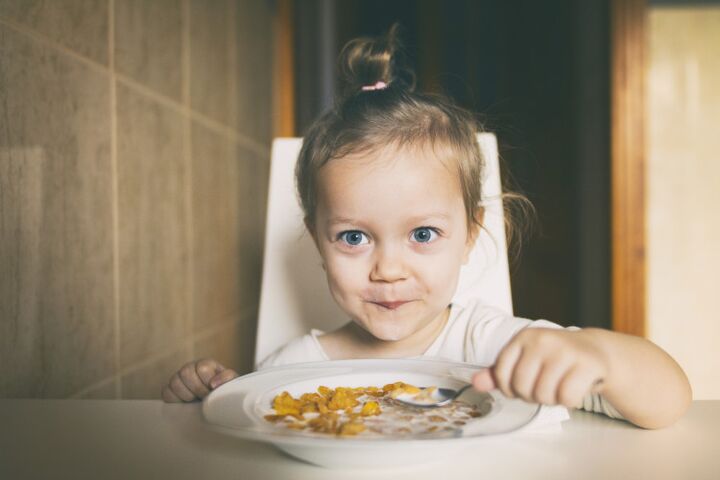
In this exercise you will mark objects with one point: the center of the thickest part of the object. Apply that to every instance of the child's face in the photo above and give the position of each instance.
(391, 227)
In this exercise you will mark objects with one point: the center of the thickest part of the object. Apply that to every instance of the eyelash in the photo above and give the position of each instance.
(340, 235)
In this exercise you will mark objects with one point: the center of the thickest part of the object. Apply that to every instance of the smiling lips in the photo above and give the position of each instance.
(392, 305)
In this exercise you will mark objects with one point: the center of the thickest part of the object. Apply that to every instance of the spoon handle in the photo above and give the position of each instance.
(462, 390)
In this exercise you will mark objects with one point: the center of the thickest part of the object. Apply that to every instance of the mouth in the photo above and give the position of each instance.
(391, 305)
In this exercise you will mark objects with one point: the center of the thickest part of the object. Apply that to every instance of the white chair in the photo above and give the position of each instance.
(294, 293)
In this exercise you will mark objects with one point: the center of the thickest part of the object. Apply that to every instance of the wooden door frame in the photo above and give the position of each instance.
(628, 68)
(283, 70)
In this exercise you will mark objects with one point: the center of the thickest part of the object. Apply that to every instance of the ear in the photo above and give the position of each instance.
(473, 233)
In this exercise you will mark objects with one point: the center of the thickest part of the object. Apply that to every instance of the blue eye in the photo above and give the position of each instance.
(353, 237)
(424, 234)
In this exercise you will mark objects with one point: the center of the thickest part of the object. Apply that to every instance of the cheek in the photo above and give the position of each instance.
(440, 272)
(345, 275)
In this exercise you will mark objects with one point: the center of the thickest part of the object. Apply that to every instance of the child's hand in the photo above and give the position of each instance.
(547, 366)
(195, 380)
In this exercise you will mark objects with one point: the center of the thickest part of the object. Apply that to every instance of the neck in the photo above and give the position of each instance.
(414, 345)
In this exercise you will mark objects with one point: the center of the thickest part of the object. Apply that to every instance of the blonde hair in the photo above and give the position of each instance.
(391, 115)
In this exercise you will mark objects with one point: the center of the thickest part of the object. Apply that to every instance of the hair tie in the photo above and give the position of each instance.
(378, 86)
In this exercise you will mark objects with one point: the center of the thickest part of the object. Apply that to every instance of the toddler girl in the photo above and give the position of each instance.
(390, 184)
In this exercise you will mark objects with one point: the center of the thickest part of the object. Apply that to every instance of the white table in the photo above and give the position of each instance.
(132, 439)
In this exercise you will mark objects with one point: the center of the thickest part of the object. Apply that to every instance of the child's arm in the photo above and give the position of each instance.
(195, 380)
(561, 367)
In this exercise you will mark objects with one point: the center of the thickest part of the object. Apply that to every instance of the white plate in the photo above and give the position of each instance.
(237, 408)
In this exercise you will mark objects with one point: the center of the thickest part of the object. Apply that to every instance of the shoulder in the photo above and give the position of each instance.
(299, 350)
(479, 317)
(486, 330)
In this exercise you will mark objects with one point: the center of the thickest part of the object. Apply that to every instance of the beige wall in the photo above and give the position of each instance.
(684, 190)
(134, 150)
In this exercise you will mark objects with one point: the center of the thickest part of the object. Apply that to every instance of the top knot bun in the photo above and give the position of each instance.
(366, 61)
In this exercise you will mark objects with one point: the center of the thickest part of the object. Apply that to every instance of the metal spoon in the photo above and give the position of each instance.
(440, 397)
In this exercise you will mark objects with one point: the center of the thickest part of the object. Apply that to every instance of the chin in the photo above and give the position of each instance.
(389, 333)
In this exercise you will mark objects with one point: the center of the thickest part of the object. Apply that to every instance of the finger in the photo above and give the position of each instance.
(178, 388)
(192, 381)
(483, 380)
(503, 369)
(525, 375)
(546, 387)
(223, 377)
(206, 369)
(168, 396)
(577, 383)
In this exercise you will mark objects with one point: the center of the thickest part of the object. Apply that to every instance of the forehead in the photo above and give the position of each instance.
(390, 182)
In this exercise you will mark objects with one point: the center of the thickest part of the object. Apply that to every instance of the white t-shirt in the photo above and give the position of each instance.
(474, 333)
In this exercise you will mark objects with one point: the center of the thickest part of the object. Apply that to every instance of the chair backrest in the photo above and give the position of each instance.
(294, 294)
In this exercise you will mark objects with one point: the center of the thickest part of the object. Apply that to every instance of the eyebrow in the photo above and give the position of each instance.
(417, 219)
(336, 220)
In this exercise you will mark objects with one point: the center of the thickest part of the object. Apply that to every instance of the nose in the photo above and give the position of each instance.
(388, 265)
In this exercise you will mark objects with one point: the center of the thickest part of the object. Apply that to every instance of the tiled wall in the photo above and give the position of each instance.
(134, 151)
